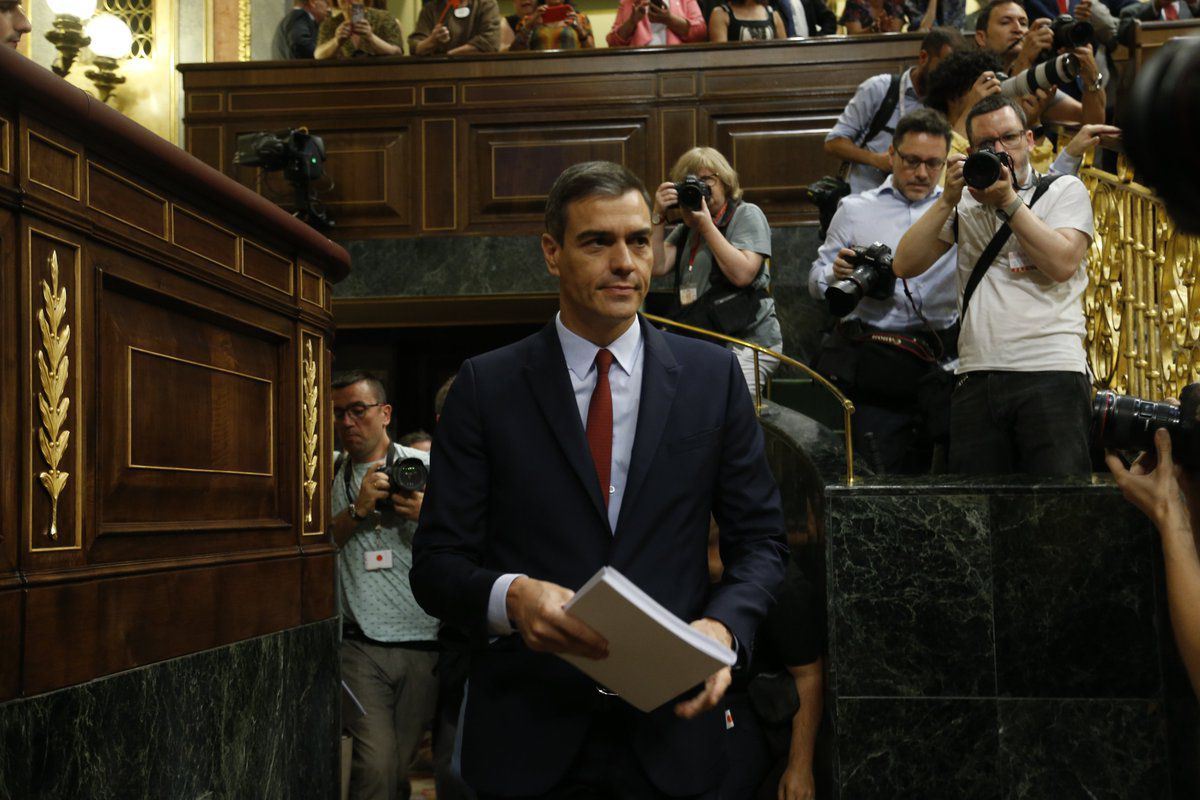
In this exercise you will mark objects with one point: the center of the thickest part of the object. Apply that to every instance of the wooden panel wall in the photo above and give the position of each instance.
(420, 147)
(161, 357)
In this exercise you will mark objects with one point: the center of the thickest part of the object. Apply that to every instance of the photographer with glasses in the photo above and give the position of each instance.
(1022, 399)
(888, 352)
(389, 645)
(720, 256)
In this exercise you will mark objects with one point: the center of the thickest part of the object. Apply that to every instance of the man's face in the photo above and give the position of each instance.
(1007, 26)
(13, 23)
(319, 9)
(602, 264)
(1002, 131)
(361, 421)
(917, 163)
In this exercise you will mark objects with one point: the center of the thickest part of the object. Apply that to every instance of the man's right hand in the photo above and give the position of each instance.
(953, 190)
(373, 489)
(986, 84)
(536, 608)
(1040, 37)
(841, 264)
(882, 162)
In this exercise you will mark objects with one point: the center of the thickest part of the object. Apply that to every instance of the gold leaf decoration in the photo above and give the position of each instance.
(53, 368)
(308, 400)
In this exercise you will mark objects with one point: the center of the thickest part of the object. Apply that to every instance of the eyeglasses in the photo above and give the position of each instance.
(354, 411)
(709, 180)
(1011, 141)
(912, 162)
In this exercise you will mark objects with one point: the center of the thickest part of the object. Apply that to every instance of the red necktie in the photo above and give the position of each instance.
(599, 423)
(1170, 12)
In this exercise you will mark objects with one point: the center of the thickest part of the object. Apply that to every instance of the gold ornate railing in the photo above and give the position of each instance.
(759, 351)
(1142, 303)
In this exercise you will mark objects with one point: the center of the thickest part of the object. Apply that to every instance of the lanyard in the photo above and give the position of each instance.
(718, 220)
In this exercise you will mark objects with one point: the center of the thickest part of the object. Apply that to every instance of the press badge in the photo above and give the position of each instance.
(462, 12)
(687, 295)
(378, 559)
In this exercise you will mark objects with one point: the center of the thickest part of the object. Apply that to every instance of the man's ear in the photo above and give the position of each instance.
(981, 38)
(386, 411)
(922, 58)
(551, 250)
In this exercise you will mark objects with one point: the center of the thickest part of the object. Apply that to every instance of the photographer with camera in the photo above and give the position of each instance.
(720, 256)
(356, 31)
(888, 350)
(389, 645)
(1021, 402)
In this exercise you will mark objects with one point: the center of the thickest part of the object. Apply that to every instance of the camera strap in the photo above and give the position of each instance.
(723, 219)
(879, 122)
(997, 244)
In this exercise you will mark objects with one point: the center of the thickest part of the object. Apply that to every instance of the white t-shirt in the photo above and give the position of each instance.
(1020, 319)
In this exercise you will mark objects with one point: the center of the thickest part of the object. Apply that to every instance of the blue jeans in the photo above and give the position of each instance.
(1034, 423)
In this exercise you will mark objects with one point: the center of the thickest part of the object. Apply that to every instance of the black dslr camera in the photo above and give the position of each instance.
(404, 476)
(1128, 423)
(301, 157)
(1070, 33)
(692, 191)
(982, 168)
(872, 277)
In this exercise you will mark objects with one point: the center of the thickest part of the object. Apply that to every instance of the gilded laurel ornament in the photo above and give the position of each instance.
(309, 403)
(53, 369)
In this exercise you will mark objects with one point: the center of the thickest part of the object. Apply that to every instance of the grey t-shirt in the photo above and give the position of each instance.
(747, 230)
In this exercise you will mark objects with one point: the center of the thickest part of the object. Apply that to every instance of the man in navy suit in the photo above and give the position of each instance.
(597, 441)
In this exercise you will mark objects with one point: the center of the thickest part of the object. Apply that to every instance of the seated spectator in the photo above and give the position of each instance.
(873, 16)
(640, 23)
(296, 36)
(719, 256)
(13, 24)
(804, 18)
(757, 22)
(456, 28)
(521, 9)
(572, 32)
(923, 15)
(1155, 10)
(376, 33)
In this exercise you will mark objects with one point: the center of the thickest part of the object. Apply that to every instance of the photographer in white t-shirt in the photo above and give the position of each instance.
(1022, 398)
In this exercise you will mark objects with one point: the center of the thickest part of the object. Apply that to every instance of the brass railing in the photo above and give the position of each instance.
(1142, 302)
(758, 350)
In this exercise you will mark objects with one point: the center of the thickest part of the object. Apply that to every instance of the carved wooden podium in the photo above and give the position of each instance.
(164, 419)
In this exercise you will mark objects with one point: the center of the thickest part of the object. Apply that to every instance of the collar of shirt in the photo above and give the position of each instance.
(907, 91)
(888, 188)
(580, 354)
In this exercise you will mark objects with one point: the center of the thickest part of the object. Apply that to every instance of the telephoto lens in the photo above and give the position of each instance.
(1070, 33)
(1058, 71)
(872, 277)
(1122, 422)
(982, 168)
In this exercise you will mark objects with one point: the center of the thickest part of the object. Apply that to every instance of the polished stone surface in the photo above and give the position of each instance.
(257, 719)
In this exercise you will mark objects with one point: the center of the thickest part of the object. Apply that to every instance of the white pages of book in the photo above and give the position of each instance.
(653, 655)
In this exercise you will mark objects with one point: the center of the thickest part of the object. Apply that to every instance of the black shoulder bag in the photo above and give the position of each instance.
(828, 191)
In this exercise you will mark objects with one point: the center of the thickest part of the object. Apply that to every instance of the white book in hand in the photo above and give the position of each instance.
(653, 655)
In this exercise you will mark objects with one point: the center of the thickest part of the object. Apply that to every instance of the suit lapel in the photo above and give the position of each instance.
(546, 371)
(660, 373)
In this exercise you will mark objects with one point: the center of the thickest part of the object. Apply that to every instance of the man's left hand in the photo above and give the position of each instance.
(408, 505)
(1089, 136)
(1089, 73)
(718, 682)
(1083, 11)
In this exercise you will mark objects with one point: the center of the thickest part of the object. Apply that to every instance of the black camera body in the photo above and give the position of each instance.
(405, 475)
(692, 191)
(301, 157)
(1070, 33)
(872, 277)
(982, 168)
(1123, 422)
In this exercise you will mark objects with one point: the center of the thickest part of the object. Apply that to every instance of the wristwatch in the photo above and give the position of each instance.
(1096, 85)
(354, 515)
(1010, 210)
(656, 219)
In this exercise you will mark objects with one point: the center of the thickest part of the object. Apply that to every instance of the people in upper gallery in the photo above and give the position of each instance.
(873, 16)
(1155, 10)
(13, 23)
(355, 30)
(643, 23)
(389, 645)
(869, 160)
(508, 24)
(1022, 401)
(296, 35)
(745, 21)
(887, 353)
(456, 28)
(804, 18)
(1003, 28)
(720, 257)
(924, 15)
(554, 25)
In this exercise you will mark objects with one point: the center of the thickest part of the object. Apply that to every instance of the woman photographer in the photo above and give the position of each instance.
(720, 257)
(553, 26)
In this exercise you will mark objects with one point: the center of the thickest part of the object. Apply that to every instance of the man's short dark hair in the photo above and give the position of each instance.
(955, 76)
(416, 437)
(584, 180)
(923, 120)
(985, 13)
(344, 379)
(993, 103)
(938, 38)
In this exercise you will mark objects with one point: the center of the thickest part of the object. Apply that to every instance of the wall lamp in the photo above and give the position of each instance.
(111, 41)
(67, 35)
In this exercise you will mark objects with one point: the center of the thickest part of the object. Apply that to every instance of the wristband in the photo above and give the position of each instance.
(354, 515)
(1010, 210)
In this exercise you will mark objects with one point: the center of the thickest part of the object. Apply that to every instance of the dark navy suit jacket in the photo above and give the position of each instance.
(512, 488)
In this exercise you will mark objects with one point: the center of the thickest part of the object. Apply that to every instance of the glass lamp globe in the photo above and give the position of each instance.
(110, 35)
(80, 9)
